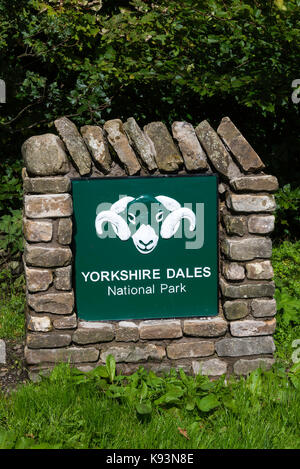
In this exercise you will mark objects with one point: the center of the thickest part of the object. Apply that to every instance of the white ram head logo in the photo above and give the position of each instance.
(146, 219)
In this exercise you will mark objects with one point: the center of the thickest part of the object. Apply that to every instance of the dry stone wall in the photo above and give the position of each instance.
(239, 339)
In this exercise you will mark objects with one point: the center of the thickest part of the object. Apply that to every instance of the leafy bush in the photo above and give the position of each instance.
(287, 213)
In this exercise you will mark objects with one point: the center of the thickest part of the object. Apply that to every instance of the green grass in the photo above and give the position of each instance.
(59, 413)
(12, 303)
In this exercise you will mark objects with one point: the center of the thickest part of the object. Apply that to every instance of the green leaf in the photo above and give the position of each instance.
(207, 403)
(111, 367)
(144, 408)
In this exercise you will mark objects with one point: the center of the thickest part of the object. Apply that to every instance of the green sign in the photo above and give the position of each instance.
(146, 247)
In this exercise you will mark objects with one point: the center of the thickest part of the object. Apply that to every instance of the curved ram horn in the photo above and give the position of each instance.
(172, 222)
(168, 202)
(121, 204)
(119, 225)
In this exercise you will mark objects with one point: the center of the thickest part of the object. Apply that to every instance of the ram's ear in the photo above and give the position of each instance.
(120, 227)
(169, 203)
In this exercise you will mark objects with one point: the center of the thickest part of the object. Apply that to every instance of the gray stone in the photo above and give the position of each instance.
(55, 303)
(168, 158)
(52, 340)
(62, 278)
(93, 332)
(127, 331)
(208, 327)
(64, 232)
(37, 231)
(39, 324)
(47, 206)
(67, 355)
(238, 145)
(216, 151)
(211, 367)
(233, 271)
(244, 367)
(40, 256)
(38, 279)
(65, 322)
(235, 309)
(160, 329)
(47, 185)
(97, 144)
(75, 145)
(2, 352)
(237, 347)
(263, 308)
(190, 349)
(44, 155)
(259, 270)
(192, 152)
(118, 140)
(235, 225)
(251, 202)
(141, 143)
(134, 353)
(247, 249)
(247, 328)
(257, 183)
(247, 290)
(261, 224)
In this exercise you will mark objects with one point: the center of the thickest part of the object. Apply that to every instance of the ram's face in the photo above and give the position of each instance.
(144, 218)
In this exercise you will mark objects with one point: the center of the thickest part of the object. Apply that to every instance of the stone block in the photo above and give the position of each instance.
(247, 249)
(64, 232)
(93, 332)
(247, 290)
(67, 355)
(244, 367)
(38, 279)
(259, 270)
(192, 152)
(127, 331)
(233, 271)
(210, 327)
(257, 183)
(160, 329)
(216, 152)
(235, 225)
(55, 303)
(251, 202)
(237, 309)
(37, 231)
(62, 278)
(119, 141)
(247, 158)
(261, 224)
(190, 349)
(47, 185)
(47, 206)
(40, 256)
(2, 352)
(75, 145)
(211, 367)
(44, 155)
(263, 308)
(237, 347)
(97, 144)
(248, 328)
(39, 324)
(45, 340)
(141, 143)
(65, 322)
(134, 353)
(168, 158)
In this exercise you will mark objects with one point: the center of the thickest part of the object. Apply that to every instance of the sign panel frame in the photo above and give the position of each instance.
(124, 296)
